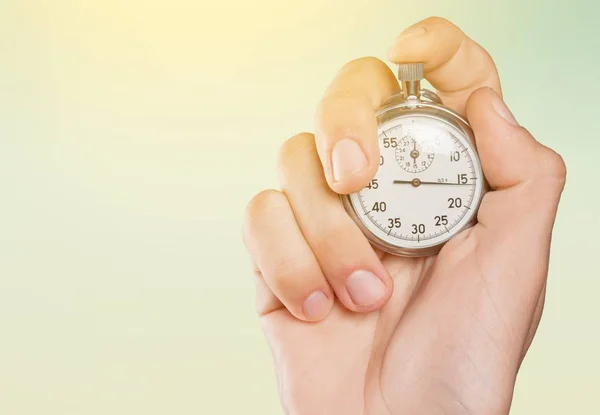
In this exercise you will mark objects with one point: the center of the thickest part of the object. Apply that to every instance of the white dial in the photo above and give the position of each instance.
(428, 186)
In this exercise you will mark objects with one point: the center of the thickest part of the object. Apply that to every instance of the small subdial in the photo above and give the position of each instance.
(414, 156)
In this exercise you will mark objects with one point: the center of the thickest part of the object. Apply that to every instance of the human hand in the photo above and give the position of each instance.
(357, 331)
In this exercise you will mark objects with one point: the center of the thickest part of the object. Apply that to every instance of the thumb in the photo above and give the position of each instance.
(526, 176)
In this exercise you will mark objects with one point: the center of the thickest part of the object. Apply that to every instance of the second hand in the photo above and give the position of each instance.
(417, 183)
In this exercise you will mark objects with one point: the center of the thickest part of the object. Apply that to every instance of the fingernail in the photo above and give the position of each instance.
(316, 306)
(347, 158)
(412, 31)
(503, 111)
(365, 288)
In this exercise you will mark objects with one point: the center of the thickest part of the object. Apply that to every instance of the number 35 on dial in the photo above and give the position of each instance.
(429, 184)
(426, 190)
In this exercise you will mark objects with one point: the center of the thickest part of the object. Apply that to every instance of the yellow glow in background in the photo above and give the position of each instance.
(132, 133)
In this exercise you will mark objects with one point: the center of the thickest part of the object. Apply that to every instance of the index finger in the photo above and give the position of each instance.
(346, 126)
(455, 64)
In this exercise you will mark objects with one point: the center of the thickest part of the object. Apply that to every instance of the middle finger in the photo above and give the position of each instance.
(346, 257)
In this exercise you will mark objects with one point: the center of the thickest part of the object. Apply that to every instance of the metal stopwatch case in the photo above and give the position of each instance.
(429, 184)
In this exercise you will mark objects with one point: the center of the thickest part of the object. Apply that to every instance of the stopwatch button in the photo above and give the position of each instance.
(411, 72)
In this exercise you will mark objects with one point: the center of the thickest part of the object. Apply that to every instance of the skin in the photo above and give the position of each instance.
(443, 334)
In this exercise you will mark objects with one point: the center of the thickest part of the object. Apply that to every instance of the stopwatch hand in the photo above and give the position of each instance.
(417, 182)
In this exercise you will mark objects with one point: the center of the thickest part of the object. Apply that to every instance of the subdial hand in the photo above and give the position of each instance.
(415, 154)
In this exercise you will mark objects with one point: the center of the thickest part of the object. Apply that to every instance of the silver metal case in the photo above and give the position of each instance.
(423, 104)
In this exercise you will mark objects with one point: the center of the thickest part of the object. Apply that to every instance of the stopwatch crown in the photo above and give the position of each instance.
(410, 72)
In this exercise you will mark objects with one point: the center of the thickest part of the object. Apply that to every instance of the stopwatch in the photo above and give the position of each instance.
(429, 184)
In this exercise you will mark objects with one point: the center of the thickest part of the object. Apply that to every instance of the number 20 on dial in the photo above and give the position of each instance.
(429, 184)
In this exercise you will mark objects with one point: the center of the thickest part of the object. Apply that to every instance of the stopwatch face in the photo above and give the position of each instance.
(428, 186)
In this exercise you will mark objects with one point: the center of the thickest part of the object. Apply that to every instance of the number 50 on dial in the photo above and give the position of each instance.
(429, 184)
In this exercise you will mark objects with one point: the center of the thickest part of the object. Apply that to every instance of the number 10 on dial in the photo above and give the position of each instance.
(429, 184)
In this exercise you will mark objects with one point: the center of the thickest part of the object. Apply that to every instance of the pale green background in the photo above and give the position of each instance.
(132, 133)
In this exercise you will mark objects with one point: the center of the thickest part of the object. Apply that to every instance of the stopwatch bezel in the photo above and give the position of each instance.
(406, 108)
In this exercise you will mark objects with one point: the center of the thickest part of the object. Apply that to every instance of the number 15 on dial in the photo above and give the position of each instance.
(429, 184)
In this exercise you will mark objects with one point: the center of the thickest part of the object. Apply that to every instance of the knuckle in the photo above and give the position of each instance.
(266, 200)
(358, 67)
(263, 203)
(366, 63)
(351, 81)
(554, 167)
(290, 272)
(291, 148)
(344, 114)
(340, 248)
(335, 105)
(483, 93)
(478, 99)
(437, 20)
(329, 236)
(557, 165)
